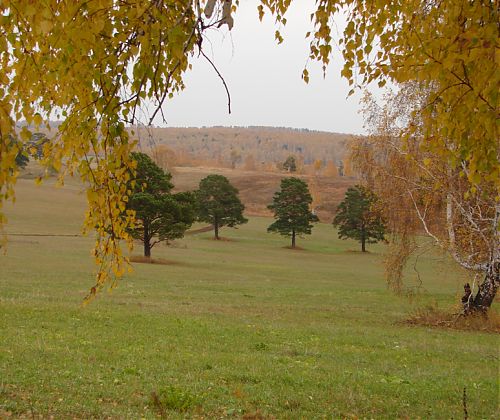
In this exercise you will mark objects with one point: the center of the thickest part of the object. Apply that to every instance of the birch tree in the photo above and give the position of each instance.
(424, 193)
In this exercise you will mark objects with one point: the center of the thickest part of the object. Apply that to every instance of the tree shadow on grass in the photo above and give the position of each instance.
(297, 248)
(149, 260)
(221, 239)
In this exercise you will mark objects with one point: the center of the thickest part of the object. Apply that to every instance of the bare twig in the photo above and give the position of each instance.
(221, 78)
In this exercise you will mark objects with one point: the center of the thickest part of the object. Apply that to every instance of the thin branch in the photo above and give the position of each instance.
(220, 77)
(422, 219)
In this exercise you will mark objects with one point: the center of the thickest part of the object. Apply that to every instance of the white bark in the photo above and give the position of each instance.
(451, 239)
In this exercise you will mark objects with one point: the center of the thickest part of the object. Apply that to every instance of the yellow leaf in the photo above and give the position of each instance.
(37, 120)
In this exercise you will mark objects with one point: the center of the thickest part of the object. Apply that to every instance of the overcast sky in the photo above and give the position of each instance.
(264, 80)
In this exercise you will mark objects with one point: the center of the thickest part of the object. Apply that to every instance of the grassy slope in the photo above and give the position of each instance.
(228, 328)
(256, 188)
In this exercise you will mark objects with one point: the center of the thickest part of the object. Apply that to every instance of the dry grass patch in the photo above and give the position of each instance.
(223, 239)
(431, 316)
(257, 416)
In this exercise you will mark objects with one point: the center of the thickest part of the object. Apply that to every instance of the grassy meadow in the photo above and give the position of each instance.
(239, 328)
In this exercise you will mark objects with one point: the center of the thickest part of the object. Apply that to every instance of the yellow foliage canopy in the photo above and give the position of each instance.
(91, 64)
(451, 46)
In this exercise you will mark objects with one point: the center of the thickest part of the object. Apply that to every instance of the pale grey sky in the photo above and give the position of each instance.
(264, 80)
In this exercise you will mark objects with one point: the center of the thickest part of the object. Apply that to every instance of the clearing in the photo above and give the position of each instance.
(240, 328)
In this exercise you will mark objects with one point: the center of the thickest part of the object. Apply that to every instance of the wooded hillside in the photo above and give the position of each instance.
(249, 148)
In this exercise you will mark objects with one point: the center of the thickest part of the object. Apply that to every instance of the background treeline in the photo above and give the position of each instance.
(247, 148)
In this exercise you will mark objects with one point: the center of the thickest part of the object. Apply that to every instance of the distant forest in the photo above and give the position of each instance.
(247, 148)
(252, 148)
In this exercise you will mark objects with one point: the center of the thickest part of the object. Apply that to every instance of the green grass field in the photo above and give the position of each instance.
(235, 328)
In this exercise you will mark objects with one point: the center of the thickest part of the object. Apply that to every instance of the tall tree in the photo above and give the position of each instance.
(234, 157)
(318, 166)
(291, 207)
(290, 164)
(218, 203)
(250, 164)
(331, 169)
(346, 167)
(164, 157)
(160, 215)
(358, 218)
(422, 192)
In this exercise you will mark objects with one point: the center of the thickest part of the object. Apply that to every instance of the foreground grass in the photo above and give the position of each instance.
(228, 328)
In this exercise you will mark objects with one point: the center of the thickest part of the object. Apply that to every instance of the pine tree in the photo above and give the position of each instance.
(161, 215)
(290, 164)
(357, 219)
(291, 207)
(218, 203)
